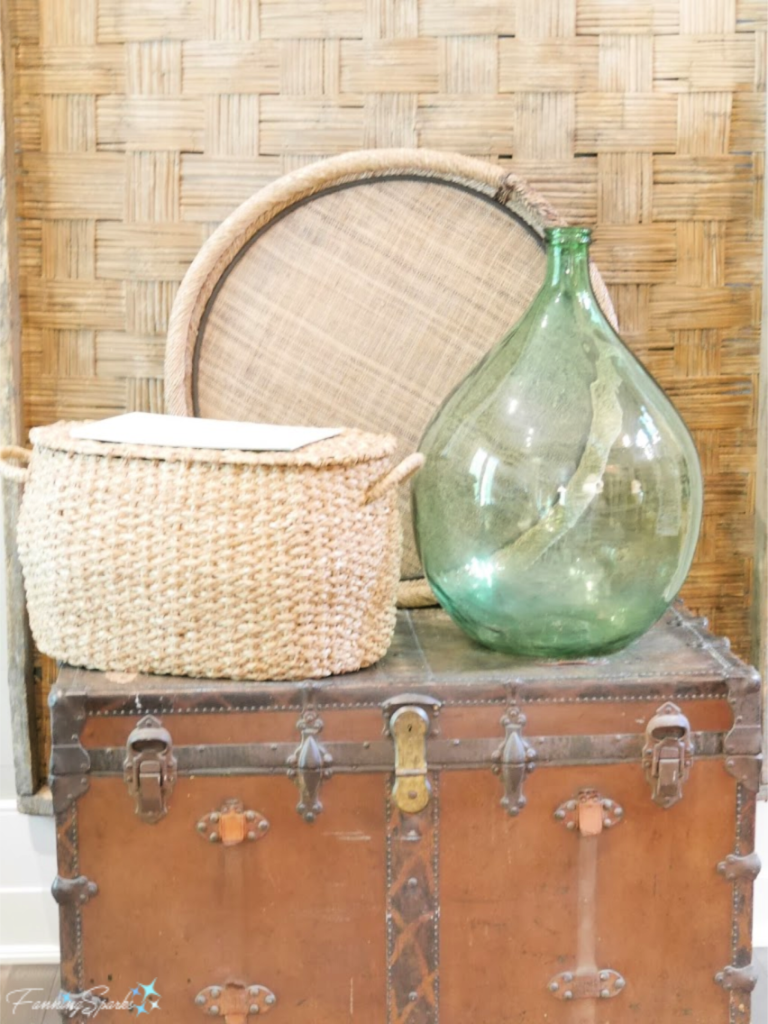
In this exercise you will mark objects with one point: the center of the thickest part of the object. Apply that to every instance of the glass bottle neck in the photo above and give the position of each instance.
(568, 259)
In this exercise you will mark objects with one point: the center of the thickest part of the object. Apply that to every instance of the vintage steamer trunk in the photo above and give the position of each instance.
(426, 872)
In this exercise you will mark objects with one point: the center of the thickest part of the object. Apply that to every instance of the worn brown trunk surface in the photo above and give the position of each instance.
(454, 910)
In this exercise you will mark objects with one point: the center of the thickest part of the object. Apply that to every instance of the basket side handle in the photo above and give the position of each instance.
(411, 464)
(7, 469)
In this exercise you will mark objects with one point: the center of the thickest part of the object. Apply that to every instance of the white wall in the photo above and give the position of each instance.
(28, 918)
(29, 930)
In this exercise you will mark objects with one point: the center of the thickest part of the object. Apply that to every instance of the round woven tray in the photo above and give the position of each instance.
(359, 291)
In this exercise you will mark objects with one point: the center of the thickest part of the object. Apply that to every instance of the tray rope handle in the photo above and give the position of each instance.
(398, 475)
(415, 593)
(7, 469)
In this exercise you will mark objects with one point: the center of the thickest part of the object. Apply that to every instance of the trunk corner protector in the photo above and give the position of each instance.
(68, 756)
(740, 979)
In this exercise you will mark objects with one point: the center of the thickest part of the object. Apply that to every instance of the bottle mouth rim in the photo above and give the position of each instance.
(568, 235)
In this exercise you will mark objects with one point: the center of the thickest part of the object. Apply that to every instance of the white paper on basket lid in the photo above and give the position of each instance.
(191, 432)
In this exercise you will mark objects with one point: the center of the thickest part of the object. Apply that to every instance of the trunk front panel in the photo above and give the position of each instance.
(300, 911)
(524, 900)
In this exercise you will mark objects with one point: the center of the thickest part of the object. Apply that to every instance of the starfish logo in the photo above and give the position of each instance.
(144, 998)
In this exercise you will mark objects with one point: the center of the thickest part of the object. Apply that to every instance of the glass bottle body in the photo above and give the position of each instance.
(559, 506)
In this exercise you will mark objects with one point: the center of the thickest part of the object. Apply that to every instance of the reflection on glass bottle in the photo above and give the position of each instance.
(559, 507)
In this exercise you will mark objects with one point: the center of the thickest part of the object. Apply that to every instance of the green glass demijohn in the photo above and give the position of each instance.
(559, 506)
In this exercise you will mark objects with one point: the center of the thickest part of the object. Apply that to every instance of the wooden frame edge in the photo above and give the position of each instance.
(760, 594)
(20, 658)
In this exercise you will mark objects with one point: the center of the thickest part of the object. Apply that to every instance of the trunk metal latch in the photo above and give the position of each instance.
(667, 754)
(409, 720)
(149, 769)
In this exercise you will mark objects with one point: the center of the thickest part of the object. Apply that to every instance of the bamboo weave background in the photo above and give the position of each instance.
(139, 124)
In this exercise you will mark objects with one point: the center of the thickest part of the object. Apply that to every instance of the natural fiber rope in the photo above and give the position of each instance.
(398, 475)
(18, 473)
(415, 594)
(239, 565)
(230, 237)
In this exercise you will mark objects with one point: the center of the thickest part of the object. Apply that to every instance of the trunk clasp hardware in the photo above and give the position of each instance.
(309, 764)
(149, 769)
(235, 1003)
(586, 985)
(409, 720)
(667, 754)
(589, 813)
(232, 824)
(513, 760)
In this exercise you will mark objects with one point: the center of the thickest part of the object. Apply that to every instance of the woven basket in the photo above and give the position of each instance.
(241, 565)
(361, 290)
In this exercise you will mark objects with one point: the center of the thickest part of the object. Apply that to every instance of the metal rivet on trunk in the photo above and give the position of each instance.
(214, 1010)
(604, 993)
(270, 1000)
(215, 992)
(568, 994)
(253, 1008)
(413, 996)
(200, 1000)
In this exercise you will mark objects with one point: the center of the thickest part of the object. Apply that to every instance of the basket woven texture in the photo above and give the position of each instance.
(361, 289)
(220, 564)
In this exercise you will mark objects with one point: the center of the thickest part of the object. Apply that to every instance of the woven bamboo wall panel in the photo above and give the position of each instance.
(140, 124)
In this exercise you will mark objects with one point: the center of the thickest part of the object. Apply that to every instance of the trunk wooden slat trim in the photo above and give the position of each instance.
(70, 923)
(413, 904)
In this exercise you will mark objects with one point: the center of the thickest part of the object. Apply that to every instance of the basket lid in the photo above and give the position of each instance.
(348, 448)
